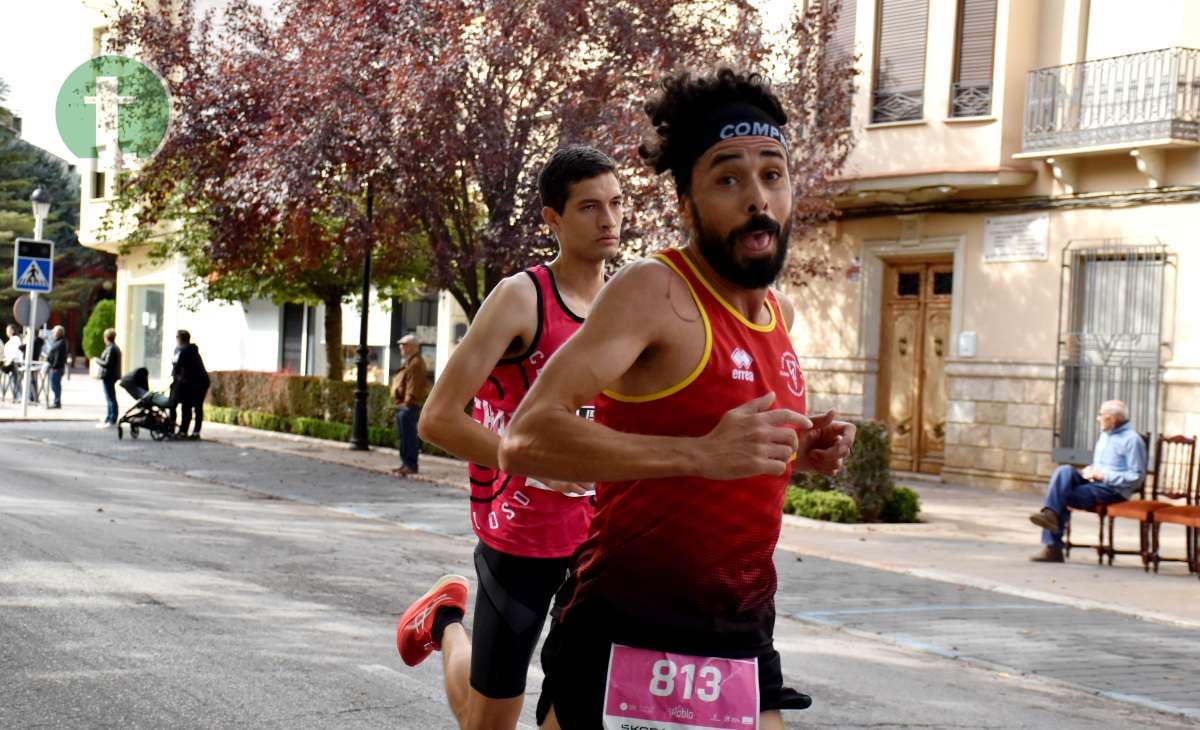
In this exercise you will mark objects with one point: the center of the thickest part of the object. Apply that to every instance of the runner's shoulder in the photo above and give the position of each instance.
(648, 276)
(514, 294)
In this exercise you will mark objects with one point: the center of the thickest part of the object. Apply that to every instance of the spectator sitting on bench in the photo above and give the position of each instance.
(1117, 469)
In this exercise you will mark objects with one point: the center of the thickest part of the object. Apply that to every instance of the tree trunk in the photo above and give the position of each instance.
(333, 337)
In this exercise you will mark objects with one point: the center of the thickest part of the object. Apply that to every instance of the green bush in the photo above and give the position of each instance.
(385, 437)
(867, 478)
(902, 506)
(103, 317)
(820, 505)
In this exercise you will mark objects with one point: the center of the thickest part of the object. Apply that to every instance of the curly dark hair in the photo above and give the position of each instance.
(686, 98)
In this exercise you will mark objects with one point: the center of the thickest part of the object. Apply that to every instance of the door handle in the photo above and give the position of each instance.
(903, 343)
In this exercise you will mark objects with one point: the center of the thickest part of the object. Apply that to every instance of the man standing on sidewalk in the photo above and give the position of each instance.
(110, 373)
(56, 363)
(189, 384)
(409, 389)
(1118, 467)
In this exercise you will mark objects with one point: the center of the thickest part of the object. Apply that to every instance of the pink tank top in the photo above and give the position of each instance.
(509, 513)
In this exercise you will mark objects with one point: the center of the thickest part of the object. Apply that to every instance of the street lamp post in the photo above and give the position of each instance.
(41, 209)
(359, 439)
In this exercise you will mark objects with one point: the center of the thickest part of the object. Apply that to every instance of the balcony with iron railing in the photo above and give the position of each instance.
(1150, 98)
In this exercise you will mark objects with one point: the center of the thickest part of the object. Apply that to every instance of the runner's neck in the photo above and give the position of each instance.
(751, 303)
(579, 281)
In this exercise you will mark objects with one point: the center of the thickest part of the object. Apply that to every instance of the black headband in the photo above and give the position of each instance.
(727, 122)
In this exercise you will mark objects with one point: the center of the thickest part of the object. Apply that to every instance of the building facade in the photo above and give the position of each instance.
(1018, 232)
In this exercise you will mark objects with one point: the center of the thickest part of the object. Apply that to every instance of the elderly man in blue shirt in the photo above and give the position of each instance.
(1117, 469)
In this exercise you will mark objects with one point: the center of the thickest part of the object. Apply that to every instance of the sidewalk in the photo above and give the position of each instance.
(970, 536)
(82, 400)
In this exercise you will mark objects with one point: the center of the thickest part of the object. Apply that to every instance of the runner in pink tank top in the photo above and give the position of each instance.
(527, 527)
(510, 513)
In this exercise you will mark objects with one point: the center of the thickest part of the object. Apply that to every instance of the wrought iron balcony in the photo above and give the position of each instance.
(1142, 97)
(973, 99)
(897, 105)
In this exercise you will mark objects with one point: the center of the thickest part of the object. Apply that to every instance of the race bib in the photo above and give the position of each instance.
(654, 690)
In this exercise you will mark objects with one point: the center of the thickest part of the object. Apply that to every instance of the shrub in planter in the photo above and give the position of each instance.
(868, 470)
(903, 505)
(103, 317)
(827, 505)
(867, 478)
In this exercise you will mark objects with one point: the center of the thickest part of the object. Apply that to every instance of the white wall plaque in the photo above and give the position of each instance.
(1024, 237)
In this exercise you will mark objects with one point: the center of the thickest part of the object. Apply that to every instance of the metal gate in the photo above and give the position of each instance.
(1109, 339)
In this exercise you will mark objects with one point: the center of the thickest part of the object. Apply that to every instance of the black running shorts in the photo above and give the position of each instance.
(575, 661)
(510, 610)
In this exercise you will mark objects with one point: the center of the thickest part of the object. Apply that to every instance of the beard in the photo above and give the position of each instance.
(720, 252)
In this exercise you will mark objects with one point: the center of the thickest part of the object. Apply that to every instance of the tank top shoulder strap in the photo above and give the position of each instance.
(713, 302)
(539, 275)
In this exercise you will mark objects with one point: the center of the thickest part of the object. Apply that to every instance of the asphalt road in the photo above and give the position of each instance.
(199, 585)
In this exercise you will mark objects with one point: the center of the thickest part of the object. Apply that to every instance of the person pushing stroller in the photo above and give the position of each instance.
(189, 384)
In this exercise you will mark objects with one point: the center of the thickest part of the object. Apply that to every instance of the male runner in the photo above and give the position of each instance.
(527, 528)
(698, 425)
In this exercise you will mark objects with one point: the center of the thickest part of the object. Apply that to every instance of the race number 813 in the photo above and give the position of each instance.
(665, 672)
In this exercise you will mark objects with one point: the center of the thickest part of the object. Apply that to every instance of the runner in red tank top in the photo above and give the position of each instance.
(669, 616)
(527, 527)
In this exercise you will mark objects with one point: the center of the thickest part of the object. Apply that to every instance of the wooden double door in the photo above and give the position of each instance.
(912, 374)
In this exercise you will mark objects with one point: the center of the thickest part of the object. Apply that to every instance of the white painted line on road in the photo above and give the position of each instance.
(934, 607)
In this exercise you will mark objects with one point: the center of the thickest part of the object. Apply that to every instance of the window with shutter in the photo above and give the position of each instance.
(899, 92)
(971, 94)
(840, 45)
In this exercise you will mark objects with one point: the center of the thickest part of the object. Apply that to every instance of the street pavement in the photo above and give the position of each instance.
(213, 585)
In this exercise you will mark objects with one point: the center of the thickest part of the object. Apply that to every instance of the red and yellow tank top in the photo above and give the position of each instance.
(685, 563)
(507, 513)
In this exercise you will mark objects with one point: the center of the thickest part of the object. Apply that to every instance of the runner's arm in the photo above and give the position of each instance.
(631, 316)
(505, 315)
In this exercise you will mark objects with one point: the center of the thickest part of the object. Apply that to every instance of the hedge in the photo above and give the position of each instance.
(304, 426)
(298, 396)
(867, 479)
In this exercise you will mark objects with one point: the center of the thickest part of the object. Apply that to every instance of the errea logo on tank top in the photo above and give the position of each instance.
(742, 362)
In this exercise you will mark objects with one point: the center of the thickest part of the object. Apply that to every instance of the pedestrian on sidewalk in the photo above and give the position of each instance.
(9, 359)
(1118, 467)
(410, 387)
(56, 363)
(110, 373)
(189, 384)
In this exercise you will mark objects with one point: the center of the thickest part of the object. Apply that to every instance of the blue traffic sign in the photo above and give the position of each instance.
(33, 269)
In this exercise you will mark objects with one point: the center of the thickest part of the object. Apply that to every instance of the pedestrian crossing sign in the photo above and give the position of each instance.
(33, 268)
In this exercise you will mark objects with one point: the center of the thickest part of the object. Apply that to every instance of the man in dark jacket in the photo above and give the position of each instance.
(110, 373)
(56, 363)
(189, 383)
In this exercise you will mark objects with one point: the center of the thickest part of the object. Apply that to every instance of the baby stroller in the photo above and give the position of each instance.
(152, 411)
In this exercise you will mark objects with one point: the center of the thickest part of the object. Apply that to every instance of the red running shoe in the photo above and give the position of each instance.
(414, 632)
